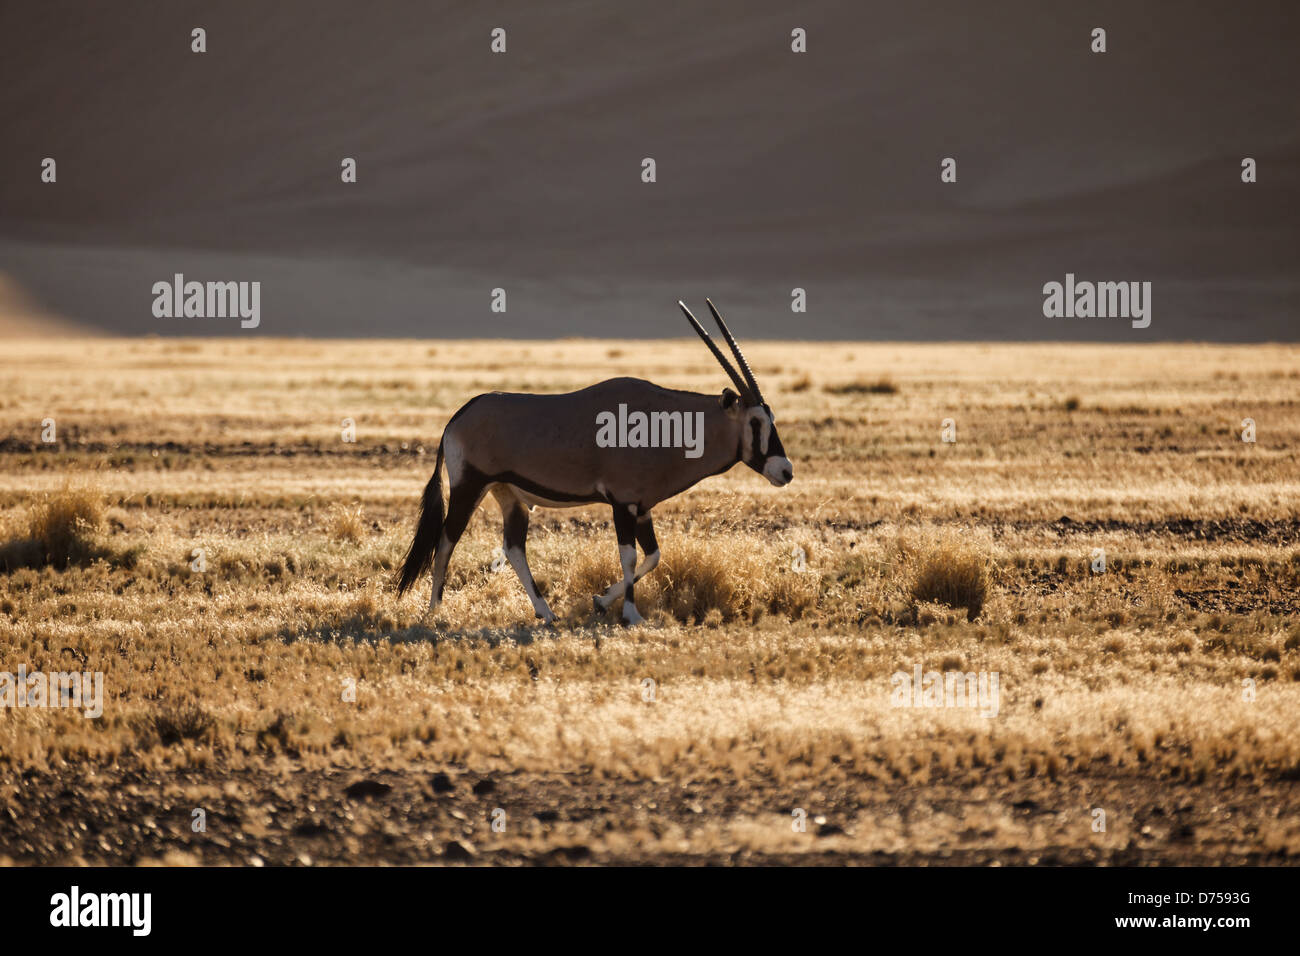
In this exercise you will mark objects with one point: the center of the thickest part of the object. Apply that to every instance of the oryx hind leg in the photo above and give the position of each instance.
(645, 536)
(463, 500)
(514, 524)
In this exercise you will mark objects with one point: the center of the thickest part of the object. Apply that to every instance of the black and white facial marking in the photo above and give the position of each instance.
(761, 447)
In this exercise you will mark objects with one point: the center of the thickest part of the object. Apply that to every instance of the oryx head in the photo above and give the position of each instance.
(760, 445)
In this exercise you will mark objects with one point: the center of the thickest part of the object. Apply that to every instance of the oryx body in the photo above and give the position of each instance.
(577, 448)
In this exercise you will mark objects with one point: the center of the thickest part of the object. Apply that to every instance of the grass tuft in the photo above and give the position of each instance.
(175, 723)
(880, 386)
(64, 524)
(61, 531)
(951, 572)
(346, 523)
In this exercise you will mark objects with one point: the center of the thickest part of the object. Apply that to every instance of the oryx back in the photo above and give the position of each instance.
(553, 449)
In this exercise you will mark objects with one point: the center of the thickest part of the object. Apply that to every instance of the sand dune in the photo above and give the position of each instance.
(20, 317)
(775, 170)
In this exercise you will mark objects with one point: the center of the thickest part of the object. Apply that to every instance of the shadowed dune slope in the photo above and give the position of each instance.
(774, 170)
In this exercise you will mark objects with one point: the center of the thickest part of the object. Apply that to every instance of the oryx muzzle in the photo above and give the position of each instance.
(530, 450)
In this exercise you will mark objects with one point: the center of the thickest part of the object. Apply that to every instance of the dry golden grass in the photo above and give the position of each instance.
(63, 524)
(62, 529)
(346, 523)
(949, 571)
(881, 386)
(227, 564)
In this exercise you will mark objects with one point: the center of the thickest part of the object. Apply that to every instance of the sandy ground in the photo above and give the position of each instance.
(1163, 691)
(425, 815)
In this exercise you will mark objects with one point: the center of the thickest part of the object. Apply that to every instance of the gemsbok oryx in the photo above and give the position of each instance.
(626, 442)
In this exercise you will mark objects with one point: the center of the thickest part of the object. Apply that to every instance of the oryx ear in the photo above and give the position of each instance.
(729, 400)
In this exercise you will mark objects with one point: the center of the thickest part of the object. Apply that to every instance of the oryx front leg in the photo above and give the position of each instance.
(514, 520)
(625, 530)
(645, 536)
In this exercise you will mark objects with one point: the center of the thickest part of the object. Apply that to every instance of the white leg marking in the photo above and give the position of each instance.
(612, 592)
(627, 554)
(648, 564)
(519, 562)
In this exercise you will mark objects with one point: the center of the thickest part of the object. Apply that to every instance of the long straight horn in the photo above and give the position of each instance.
(717, 352)
(740, 356)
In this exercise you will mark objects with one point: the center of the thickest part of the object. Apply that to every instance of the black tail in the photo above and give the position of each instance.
(427, 532)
